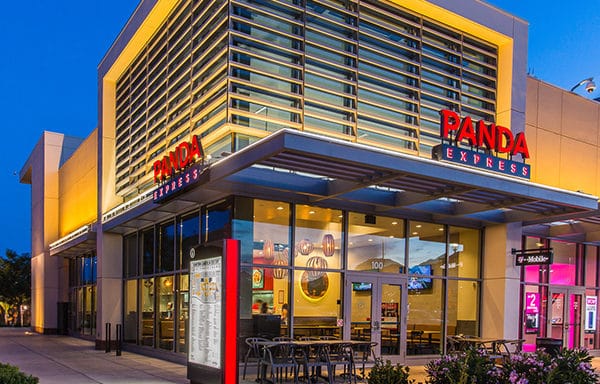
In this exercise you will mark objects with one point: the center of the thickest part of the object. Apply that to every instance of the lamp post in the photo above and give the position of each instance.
(589, 84)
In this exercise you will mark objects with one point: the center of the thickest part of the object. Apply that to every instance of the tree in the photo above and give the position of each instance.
(15, 279)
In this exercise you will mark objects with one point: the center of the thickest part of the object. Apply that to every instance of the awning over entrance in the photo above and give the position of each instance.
(77, 243)
(305, 168)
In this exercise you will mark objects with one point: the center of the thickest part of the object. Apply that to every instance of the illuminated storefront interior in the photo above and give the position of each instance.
(316, 127)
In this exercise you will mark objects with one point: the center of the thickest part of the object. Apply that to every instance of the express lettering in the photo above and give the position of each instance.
(482, 134)
(184, 154)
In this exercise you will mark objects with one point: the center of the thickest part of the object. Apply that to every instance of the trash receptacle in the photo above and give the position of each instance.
(550, 345)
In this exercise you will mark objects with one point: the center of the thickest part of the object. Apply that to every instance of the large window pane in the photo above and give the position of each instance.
(189, 237)
(427, 249)
(166, 247)
(426, 312)
(147, 249)
(166, 308)
(562, 270)
(147, 306)
(317, 303)
(464, 249)
(375, 243)
(591, 265)
(318, 234)
(183, 312)
(130, 256)
(130, 309)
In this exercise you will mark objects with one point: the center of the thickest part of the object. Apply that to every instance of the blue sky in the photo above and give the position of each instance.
(51, 49)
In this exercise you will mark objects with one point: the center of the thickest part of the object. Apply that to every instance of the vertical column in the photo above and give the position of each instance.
(501, 282)
(110, 284)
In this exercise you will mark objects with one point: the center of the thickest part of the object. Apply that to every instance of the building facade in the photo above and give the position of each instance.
(377, 161)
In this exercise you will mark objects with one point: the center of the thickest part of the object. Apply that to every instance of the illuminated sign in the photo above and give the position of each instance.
(481, 160)
(532, 312)
(481, 135)
(178, 170)
(591, 305)
(178, 183)
(536, 256)
(185, 154)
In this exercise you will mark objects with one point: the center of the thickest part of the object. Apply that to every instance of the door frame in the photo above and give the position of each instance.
(567, 292)
(378, 280)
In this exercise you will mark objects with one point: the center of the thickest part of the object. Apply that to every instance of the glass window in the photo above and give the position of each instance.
(464, 252)
(166, 248)
(147, 307)
(426, 311)
(130, 264)
(318, 235)
(375, 243)
(563, 269)
(463, 307)
(130, 309)
(533, 316)
(317, 303)
(591, 265)
(166, 308)
(183, 311)
(147, 249)
(427, 248)
(189, 236)
(534, 273)
(216, 222)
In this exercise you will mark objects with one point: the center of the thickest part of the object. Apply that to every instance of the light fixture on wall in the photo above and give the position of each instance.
(328, 245)
(588, 83)
(268, 251)
(305, 247)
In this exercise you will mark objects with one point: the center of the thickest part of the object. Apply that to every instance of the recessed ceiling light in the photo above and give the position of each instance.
(311, 212)
(394, 223)
(415, 233)
(418, 226)
(280, 208)
(370, 239)
(440, 229)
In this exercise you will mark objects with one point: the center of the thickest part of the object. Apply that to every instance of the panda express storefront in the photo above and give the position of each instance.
(331, 238)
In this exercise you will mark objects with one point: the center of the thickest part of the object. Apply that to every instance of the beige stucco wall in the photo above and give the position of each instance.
(563, 133)
(78, 187)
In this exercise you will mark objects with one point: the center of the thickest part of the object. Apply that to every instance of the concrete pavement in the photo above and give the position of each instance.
(62, 359)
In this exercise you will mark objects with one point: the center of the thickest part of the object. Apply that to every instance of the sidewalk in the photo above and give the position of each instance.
(62, 360)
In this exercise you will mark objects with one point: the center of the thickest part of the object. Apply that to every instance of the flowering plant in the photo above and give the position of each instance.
(573, 366)
(386, 373)
(471, 366)
(525, 368)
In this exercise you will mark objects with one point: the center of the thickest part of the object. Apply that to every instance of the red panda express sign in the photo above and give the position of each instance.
(482, 135)
(179, 169)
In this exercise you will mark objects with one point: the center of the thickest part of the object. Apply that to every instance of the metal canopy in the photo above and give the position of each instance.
(305, 168)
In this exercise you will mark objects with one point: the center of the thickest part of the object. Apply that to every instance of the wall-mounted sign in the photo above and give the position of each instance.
(185, 154)
(591, 305)
(532, 312)
(481, 160)
(178, 169)
(178, 183)
(535, 256)
(484, 136)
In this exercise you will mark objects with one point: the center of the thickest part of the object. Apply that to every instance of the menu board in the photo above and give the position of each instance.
(205, 312)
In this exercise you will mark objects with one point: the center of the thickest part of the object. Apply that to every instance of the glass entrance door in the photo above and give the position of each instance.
(565, 316)
(376, 312)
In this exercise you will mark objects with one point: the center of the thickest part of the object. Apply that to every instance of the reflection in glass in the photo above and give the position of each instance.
(130, 309)
(464, 247)
(313, 225)
(427, 246)
(317, 304)
(375, 243)
(426, 315)
(147, 301)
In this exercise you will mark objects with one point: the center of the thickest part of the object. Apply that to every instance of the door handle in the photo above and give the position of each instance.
(375, 326)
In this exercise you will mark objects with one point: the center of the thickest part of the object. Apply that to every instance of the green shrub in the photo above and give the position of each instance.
(12, 375)
(386, 373)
